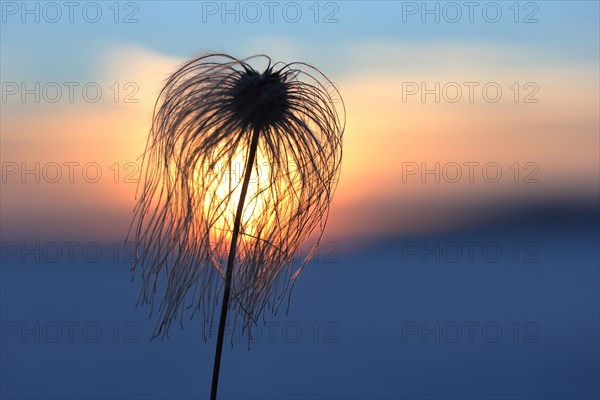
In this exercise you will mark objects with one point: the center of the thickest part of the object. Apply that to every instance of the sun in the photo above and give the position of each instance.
(220, 187)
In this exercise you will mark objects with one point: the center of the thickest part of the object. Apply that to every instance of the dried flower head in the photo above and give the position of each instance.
(237, 161)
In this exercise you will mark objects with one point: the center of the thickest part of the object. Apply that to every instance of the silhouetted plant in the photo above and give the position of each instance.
(205, 227)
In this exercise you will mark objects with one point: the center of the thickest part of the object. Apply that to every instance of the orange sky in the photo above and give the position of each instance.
(554, 141)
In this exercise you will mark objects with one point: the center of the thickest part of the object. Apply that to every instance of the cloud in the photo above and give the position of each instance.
(385, 133)
(146, 68)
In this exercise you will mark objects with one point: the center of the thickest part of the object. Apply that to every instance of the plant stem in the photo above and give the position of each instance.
(230, 260)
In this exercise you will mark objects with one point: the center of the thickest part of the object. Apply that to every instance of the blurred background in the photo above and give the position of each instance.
(461, 256)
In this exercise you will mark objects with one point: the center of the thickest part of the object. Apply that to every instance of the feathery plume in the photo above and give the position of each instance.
(239, 169)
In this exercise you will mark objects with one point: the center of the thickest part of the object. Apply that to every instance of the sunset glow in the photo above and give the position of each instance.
(451, 250)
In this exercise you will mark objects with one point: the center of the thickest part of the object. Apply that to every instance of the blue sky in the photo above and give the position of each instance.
(566, 31)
